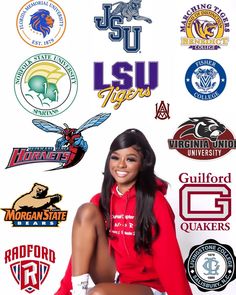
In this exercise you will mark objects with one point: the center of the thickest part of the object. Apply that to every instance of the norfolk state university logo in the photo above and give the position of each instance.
(45, 84)
(41, 23)
(205, 27)
(114, 19)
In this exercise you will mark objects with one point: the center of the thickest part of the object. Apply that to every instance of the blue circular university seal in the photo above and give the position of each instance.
(205, 79)
(211, 266)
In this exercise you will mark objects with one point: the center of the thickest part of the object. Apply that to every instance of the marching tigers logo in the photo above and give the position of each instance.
(41, 23)
(205, 27)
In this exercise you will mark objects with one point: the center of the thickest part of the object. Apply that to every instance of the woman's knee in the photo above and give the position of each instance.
(87, 212)
(99, 289)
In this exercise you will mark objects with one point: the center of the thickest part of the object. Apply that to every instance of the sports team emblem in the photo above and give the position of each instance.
(202, 138)
(162, 111)
(69, 148)
(211, 266)
(205, 79)
(36, 208)
(29, 265)
(115, 17)
(205, 27)
(41, 23)
(45, 84)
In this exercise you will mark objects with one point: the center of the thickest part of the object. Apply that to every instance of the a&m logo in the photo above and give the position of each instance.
(202, 138)
(41, 23)
(114, 18)
(29, 265)
(130, 81)
(205, 27)
(36, 208)
(211, 266)
(69, 149)
(45, 84)
(205, 79)
(162, 110)
(204, 202)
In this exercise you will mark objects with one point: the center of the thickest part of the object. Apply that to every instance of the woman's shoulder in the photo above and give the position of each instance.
(95, 199)
(161, 206)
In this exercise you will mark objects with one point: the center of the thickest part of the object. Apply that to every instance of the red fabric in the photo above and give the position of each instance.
(163, 270)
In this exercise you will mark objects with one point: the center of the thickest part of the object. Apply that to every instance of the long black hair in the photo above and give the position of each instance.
(146, 186)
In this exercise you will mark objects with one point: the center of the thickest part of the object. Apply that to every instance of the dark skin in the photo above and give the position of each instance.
(89, 240)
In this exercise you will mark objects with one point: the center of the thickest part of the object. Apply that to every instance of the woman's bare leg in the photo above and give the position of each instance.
(90, 253)
(119, 289)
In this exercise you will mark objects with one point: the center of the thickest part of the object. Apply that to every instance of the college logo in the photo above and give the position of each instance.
(69, 148)
(162, 111)
(114, 18)
(205, 79)
(211, 266)
(204, 202)
(36, 208)
(41, 23)
(45, 84)
(202, 138)
(29, 265)
(126, 86)
(205, 26)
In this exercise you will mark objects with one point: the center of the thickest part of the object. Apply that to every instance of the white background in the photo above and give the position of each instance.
(82, 45)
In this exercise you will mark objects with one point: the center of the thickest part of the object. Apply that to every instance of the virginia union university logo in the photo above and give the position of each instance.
(41, 23)
(202, 138)
(113, 20)
(211, 266)
(29, 265)
(45, 84)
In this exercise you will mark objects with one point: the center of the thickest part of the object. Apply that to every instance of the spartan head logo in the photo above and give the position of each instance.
(41, 21)
(204, 127)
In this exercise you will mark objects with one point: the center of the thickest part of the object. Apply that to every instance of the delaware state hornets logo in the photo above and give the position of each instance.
(205, 27)
(41, 23)
(202, 138)
(29, 265)
(114, 18)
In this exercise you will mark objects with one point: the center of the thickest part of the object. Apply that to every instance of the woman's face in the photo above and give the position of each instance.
(124, 166)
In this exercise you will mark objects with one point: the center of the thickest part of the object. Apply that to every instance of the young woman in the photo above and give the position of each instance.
(127, 229)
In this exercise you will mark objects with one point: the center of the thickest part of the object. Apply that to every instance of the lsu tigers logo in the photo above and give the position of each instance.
(113, 20)
(41, 21)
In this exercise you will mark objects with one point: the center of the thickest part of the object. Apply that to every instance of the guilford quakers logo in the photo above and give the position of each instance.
(45, 84)
(130, 81)
(205, 79)
(30, 265)
(41, 23)
(202, 138)
(211, 266)
(115, 15)
(205, 27)
(36, 208)
(204, 202)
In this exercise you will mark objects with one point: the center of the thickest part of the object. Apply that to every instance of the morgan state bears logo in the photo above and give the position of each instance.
(202, 138)
(69, 148)
(41, 23)
(30, 265)
(36, 208)
(205, 26)
(115, 17)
